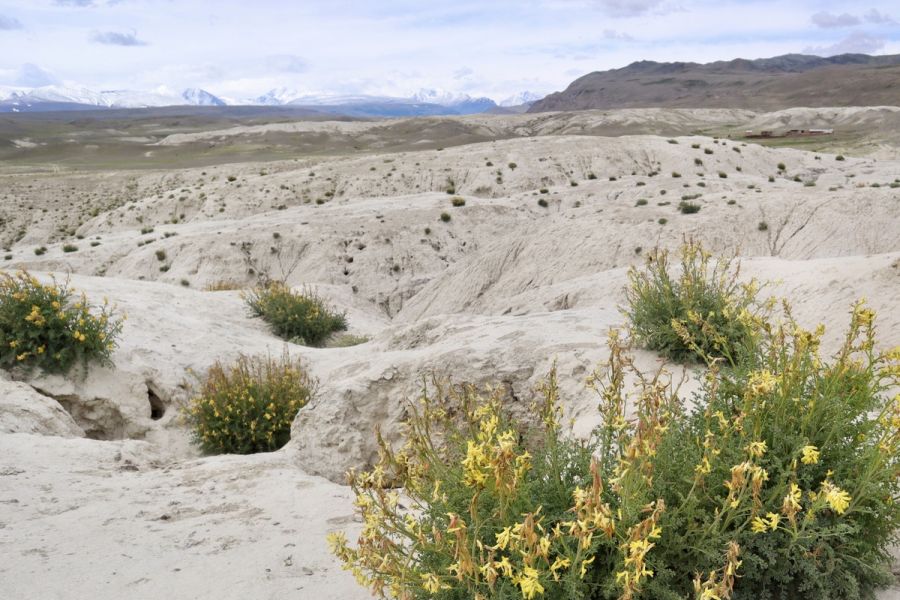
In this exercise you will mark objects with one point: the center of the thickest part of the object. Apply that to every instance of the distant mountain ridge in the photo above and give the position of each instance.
(425, 102)
(762, 84)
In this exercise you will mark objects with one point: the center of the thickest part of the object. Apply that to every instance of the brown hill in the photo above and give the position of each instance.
(764, 84)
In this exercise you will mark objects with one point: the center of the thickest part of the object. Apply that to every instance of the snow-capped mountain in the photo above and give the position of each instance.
(199, 97)
(463, 103)
(275, 97)
(425, 102)
(54, 97)
(520, 99)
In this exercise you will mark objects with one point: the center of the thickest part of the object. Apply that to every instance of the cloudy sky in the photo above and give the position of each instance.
(240, 48)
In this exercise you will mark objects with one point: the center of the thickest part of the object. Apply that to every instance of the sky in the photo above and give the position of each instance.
(495, 48)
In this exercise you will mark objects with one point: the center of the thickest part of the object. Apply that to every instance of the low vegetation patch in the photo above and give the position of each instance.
(299, 317)
(779, 481)
(248, 406)
(48, 326)
(688, 208)
(695, 311)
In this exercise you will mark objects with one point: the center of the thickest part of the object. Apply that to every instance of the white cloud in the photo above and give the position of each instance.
(114, 38)
(612, 34)
(9, 23)
(30, 75)
(627, 8)
(858, 42)
(828, 20)
(879, 18)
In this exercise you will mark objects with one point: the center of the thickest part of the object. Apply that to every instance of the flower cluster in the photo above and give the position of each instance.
(300, 317)
(48, 326)
(248, 406)
(780, 481)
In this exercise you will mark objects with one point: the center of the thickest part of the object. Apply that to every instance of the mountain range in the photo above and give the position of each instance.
(425, 102)
(763, 84)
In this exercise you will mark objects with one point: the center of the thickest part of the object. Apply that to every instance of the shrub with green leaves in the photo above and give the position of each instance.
(299, 317)
(248, 406)
(703, 299)
(780, 482)
(48, 326)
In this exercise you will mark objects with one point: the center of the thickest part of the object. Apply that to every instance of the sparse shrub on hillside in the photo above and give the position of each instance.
(160, 255)
(348, 339)
(662, 221)
(300, 317)
(41, 250)
(248, 406)
(707, 151)
(512, 166)
(458, 201)
(445, 217)
(839, 157)
(780, 483)
(763, 226)
(69, 248)
(641, 202)
(47, 326)
(688, 208)
(723, 175)
(781, 167)
(693, 312)
(543, 203)
(223, 285)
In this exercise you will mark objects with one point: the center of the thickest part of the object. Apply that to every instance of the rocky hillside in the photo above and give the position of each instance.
(764, 84)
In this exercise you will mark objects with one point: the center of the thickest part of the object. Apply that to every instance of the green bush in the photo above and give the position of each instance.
(781, 483)
(248, 406)
(688, 208)
(47, 326)
(703, 300)
(458, 201)
(300, 317)
(445, 217)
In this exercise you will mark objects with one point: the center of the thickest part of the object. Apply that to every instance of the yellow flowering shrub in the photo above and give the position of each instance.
(48, 326)
(249, 406)
(300, 317)
(780, 482)
(698, 309)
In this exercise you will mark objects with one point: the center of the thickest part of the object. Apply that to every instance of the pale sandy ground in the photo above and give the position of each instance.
(495, 295)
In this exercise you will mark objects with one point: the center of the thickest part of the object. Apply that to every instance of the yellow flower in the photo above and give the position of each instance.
(560, 563)
(503, 539)
(810, 455)
(432, 584)
(760, 383)
(504, 566)
(774, 520)
(528, 582)
(757, 449)
(584, 565)
(791, 503)
(758, 525)
(836, 498)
